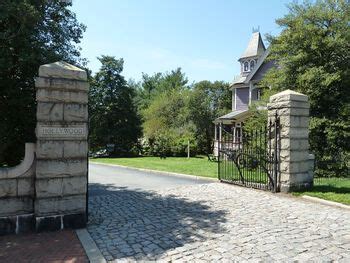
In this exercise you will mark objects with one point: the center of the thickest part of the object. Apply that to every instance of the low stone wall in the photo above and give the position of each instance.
(17, 195)
(47, 191)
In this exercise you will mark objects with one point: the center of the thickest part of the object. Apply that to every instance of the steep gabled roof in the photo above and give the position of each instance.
(258, 65)
(255, 46)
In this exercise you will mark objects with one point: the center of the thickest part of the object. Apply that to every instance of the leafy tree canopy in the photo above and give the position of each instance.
(152, 86)
(313, 57)
(208, 101)
(167, 127)
(113, 114)
(32, 33)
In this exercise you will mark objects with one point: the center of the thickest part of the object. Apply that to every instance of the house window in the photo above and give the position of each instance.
(246, 66)
(252, 64)
(258, 94)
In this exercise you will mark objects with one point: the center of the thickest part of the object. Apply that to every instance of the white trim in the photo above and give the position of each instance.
(235, 106)
(244, 66)
(251, 87)
(250, 64)
(215, 132)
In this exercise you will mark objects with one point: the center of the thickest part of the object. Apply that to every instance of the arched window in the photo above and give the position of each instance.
(246, 66)
(259, 94)
(252, 64)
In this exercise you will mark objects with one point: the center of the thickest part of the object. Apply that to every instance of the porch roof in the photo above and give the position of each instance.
(238, 80)
(233, 115)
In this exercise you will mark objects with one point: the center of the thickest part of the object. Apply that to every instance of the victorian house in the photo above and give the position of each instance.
(244, 90)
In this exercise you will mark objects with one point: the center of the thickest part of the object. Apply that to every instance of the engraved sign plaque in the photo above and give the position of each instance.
(58, 132)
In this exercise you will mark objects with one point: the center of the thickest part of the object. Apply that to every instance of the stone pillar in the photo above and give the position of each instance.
(293, 110)
(61, 169)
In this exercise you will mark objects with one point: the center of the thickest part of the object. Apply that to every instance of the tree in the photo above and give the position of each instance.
(32, 33)
(166, 123)
(166, 126)
(313, 54)
(208, 101)
(147, 89)
(113, 114)
(152, 86)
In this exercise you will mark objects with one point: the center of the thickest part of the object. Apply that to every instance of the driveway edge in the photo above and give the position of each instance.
(209, 179)
(90, 247)
(325, 202)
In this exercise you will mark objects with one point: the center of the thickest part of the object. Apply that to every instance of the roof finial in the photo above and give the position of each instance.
(256, 29)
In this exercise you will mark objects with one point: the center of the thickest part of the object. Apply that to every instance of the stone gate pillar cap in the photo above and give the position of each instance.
(61, 69)
(288, 95)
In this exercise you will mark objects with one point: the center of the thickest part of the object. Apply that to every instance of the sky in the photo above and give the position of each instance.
(203, 37)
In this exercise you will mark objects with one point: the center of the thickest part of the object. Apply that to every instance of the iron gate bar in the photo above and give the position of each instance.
(275, 155)
(252, 159)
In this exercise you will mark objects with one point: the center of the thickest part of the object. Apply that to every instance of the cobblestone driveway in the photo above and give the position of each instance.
(216, 222)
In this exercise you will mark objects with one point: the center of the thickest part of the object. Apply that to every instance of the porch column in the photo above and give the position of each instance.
(215, 132)
(251, 87)
(234, 134)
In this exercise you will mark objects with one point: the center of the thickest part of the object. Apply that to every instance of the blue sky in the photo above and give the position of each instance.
(203, 37)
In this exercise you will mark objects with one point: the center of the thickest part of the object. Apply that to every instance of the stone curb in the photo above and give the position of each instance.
(160, 172)
(90, 247)
(325, 202)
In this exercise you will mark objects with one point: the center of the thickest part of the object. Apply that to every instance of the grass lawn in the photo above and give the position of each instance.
(337, 190)
(195, 166)
(230, 172)
(199, 166)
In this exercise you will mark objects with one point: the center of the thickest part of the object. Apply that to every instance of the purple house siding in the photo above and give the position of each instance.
(242, 98)
(266, 66)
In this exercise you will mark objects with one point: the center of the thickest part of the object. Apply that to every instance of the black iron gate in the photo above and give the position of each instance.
(251, 159)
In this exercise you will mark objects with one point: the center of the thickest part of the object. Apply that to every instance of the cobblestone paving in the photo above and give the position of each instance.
(217, 222)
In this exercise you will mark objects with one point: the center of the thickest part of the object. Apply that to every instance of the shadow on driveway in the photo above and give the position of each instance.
(143, 225)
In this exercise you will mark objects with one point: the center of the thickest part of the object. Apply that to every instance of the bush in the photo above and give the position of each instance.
(169, 144)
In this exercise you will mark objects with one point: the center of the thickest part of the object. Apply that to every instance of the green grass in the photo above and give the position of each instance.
(199, 166)
(256, 175)
(194, 166)
(337, 190)
(332, 189)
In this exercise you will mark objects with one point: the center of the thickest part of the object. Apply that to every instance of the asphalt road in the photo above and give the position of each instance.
(104, 178)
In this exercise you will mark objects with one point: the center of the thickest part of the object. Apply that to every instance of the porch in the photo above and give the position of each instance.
(228, 130)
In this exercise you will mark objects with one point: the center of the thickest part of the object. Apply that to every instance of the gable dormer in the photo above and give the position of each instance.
(253, 52)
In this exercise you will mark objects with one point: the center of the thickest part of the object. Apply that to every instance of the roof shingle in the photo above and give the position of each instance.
(255, 46)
